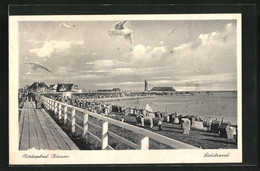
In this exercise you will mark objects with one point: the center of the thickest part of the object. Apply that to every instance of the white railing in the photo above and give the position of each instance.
(145, 135)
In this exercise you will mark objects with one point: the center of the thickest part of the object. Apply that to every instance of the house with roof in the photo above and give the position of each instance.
(110, 90)
(38, 86)
(67, 88)
(162, 90)
(53, 87)
(116, 89)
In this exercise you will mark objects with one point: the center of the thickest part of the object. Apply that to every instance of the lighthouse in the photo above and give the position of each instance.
(145, 85)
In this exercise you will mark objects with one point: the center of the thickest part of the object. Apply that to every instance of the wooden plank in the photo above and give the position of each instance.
(62, 145)
(94, 125)
(85, 125)
(24, 141)
(73, 121)
(123, 140)
(144, 142)
(110, 148)
(59, 109)
(43, 143)
(79, 118)
(157, 137)
(63, 135)
(21, 121)
(104, 135)
(94, 136)
(50, 139)
(31, 105)
(78, 126)
(33, 135)
(65, 115)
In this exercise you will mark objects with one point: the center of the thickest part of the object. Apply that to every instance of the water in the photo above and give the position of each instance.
(217, 105)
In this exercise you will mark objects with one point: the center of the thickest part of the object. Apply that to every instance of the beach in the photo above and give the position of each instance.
(216, 105)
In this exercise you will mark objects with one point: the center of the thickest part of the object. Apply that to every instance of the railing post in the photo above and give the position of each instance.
(48, 104)
(73, 120)
(52, 105)
(85, 124)
(104, 138)
(65, 114)
(55, 107)
(60, 111)
(144, 142)
(44, 102)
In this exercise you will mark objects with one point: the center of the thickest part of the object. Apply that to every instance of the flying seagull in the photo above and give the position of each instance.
(36, 65)
(66, 25)
(171, 51)
(56, 31)
(120, 30)
(172, 31)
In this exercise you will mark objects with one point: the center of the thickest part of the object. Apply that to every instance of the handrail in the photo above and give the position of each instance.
(145, 134)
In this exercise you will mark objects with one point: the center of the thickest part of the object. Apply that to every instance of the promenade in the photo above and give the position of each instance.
(37, 130)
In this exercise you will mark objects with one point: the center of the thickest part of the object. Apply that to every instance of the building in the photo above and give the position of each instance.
(53, 87)
(116, 89)
(104, 90)
(145, 85)
(110, 90)
(67, 88)
(38, 86)
(163, 89)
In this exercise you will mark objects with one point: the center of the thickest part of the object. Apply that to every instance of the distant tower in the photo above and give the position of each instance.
(145, 85)
(37, 86)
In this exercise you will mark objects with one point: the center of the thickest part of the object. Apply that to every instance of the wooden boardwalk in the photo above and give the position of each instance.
(38, 130)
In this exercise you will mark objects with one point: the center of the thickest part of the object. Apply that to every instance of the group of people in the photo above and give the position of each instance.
(34, 96)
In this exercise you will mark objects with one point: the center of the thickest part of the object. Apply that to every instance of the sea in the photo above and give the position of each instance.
(216, 105)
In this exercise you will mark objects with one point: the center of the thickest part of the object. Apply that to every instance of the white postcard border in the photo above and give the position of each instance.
(17, 157)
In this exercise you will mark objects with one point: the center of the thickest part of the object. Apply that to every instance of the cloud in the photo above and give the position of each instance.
(89, 76)
(49, 47)
(137, 73)
(121, 83)
(145, 55)
(209, 54)
(103, 64)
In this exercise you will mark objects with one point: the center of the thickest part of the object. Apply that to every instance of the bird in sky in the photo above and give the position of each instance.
(37, 65)
(120, 30)
(47, 37)
(172, 31)
(171, 51)
(67, 25)
(196, 71)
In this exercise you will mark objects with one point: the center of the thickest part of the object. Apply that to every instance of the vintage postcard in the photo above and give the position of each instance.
(125, 89)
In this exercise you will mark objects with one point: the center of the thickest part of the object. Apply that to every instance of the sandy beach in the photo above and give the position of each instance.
(216, 105)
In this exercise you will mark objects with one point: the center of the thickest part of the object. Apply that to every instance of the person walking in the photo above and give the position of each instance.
(38, 102)
(160, 125)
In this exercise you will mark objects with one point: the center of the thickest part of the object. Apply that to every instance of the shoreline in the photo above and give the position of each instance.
(123, 98)
(111, 101)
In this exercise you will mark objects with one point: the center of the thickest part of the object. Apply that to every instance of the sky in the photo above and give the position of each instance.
(204, 54)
